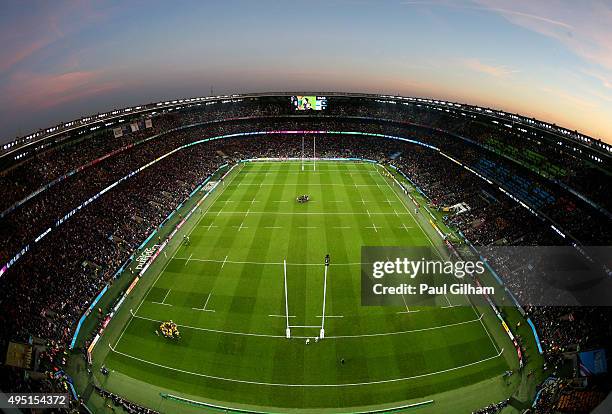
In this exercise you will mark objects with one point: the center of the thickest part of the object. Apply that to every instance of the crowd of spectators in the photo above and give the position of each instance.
(565, 330)
(545, 157)
(48, 166)
(558, 395)
(66, 156)
(577, 401)
(492, 408)
(126, 405)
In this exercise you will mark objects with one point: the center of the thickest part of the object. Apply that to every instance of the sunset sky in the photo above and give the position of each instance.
(60, 60)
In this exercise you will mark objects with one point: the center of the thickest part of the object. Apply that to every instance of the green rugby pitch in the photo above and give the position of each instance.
(226, 291)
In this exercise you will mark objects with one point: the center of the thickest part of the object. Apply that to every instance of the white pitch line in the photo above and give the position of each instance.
(205, 305)
(302, 184)
(281, 316)
(392, 333)
(342, 227)
(196, 328)
(390, 380)
(219, 212)
(305, 171)
(242, 226)
(483, 325)
(310, 172)
(268, 263)
(273, 227)
(316, 213)
(489, 335)
(207, 299)
(307, 227)
(331, 316)
(450, 305)
(187, 261)
(406, 304)
(408, 331)
(280, 201)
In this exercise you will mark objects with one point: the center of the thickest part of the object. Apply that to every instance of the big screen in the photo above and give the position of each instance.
(304, 103)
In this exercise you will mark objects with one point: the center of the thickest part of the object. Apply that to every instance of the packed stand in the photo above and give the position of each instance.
(118, 401)
(492, 408)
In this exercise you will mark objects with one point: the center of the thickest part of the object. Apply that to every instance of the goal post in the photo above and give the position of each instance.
(314, 153)
(288, 329)
(322, 332)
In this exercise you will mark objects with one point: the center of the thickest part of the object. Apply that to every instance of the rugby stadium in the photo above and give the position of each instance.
(211, 254)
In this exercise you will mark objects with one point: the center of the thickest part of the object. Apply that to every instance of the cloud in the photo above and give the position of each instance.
(32, 92)
(467, 6)
(13, 55)
(566, 97)
(605, 80)
(584, 28)
(41, 27)
(528, 16)
(498, 71)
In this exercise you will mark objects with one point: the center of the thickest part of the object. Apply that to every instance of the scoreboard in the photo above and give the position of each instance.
(305, 103)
